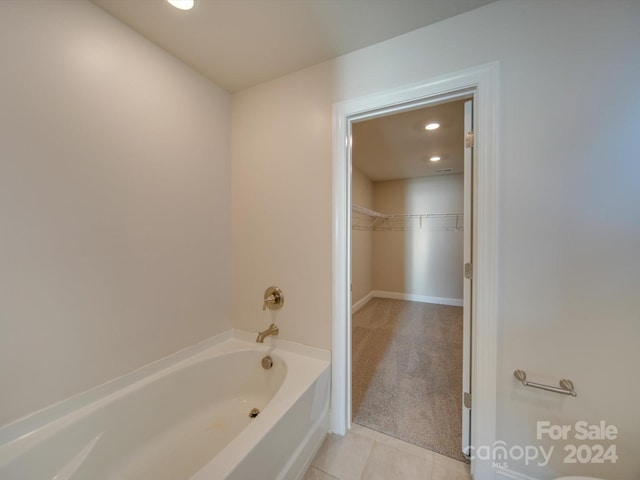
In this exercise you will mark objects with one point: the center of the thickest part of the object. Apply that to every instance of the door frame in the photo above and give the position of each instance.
(482, 82)
(467, 280)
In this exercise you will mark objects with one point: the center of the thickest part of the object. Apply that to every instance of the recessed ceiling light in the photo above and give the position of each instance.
(432, 126)
(182, 4)
(434, 159)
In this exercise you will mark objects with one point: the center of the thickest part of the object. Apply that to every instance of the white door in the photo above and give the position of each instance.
(467, 273)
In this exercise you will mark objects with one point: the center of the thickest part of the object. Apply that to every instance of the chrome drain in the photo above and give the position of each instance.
(254, 413)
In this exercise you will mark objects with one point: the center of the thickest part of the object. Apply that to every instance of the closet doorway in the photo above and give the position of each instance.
(410, 241)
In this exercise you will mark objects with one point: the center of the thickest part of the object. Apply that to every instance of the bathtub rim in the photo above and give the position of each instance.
(300, 379)
(65, 412)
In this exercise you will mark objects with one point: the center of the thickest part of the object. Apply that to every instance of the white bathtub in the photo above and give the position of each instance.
(185, 417)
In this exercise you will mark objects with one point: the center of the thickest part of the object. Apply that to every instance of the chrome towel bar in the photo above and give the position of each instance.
(566, 386)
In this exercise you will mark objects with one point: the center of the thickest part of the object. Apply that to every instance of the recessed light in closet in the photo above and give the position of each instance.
(432, 126)
(182, 4)
(434, 159)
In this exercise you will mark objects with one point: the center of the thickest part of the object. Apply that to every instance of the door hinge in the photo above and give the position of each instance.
(467, 400)
(468, 270)
(469, 139)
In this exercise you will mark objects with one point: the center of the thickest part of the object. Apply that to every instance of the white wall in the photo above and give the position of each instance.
(361, 240)
(425, 261)
(114, 203)
(568, 193)
(281, 205)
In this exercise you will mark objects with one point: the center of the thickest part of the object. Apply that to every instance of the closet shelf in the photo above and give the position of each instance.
(365, 219)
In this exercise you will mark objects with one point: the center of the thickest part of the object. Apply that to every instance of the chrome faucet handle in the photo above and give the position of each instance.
(273, 298)
(270, 300)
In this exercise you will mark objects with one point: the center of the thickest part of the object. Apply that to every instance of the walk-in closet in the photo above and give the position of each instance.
(407, 270)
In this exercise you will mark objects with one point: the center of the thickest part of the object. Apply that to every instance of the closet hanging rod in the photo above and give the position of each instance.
(566, 386)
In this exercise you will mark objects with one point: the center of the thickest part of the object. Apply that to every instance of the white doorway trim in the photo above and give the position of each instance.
(482, 81)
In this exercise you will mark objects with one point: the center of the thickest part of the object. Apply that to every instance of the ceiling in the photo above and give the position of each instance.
(241, 43)
(398, 146)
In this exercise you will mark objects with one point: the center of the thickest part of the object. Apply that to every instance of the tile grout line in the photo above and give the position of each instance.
(380, 438)
(433, 467)
(326, 473)
(368, 455)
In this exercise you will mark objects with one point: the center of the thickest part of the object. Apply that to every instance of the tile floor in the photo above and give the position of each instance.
(365, 454)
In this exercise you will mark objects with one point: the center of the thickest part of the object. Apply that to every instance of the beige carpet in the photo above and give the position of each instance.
(407, 372)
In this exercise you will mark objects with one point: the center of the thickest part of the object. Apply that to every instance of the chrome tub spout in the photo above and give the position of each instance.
(272, 330)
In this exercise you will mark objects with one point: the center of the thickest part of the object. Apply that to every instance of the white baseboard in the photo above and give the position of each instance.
(455, 302)
(512, 474)
(362, 302)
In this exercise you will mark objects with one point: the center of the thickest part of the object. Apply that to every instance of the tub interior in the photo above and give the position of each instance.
(172, 426)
